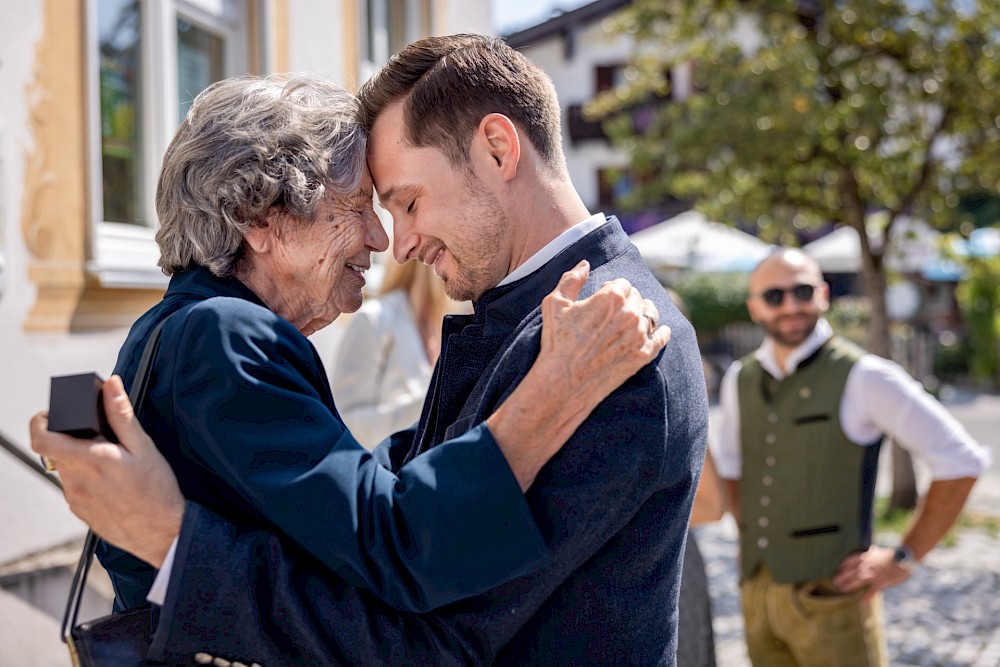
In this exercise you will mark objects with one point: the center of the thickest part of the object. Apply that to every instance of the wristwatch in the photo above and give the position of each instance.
(903, 557)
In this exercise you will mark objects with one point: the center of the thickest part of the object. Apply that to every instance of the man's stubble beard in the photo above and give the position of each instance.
(772, 331)
(477, 263)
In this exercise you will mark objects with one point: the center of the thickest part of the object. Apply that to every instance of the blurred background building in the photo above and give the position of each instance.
(592, 53)
(585, 58)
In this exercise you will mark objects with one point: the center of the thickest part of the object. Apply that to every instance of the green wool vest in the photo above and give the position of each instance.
(807, 491)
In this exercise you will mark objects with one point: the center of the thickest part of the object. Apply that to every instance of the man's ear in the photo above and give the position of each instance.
(752, 309)
(498, 139)
(823, 296)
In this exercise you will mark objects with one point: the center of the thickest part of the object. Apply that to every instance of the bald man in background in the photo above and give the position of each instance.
(803, 420)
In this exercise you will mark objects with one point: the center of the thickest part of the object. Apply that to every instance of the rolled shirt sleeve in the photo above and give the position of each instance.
(882, 398)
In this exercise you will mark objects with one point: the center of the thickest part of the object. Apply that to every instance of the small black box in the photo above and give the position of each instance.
(76, 406)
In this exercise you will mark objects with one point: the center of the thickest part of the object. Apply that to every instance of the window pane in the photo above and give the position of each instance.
(396, 26)
(119, 27)
(199, 62)
(371, 31)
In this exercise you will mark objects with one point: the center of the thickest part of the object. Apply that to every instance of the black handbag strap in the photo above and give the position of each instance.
(136, 396)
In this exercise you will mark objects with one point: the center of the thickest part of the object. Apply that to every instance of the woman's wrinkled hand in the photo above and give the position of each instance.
(601, 341)
(588, 349)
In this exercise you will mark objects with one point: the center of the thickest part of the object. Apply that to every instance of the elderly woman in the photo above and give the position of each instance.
(266, 229)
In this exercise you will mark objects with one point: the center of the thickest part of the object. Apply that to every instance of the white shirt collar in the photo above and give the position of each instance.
(765, 353)
(554, 247)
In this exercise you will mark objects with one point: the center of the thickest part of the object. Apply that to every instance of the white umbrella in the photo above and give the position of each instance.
(837, 252)
(916, 245)
(690, 241)
(982, 242)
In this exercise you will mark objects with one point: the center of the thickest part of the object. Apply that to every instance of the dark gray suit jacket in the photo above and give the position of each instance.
(612, 506)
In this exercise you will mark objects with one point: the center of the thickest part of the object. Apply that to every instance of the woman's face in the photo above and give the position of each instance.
(316, 268)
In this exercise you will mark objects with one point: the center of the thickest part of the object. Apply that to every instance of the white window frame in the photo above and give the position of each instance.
(381, 50)
(125, 255)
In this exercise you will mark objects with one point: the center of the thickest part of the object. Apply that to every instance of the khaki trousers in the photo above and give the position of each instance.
(811, 625)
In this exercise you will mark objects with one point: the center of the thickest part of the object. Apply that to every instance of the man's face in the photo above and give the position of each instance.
(441, 214)
(789, 278)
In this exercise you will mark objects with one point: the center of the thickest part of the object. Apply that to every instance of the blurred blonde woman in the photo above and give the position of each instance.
(383, 364)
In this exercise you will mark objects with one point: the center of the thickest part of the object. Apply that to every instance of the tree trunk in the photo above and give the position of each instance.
(904, 481)
(873, 278)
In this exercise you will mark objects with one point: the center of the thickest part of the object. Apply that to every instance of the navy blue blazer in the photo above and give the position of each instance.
(239, 404)
(612, 505)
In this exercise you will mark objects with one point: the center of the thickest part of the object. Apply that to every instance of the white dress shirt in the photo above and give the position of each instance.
(554, 247)
(880, 398)
(158, 592)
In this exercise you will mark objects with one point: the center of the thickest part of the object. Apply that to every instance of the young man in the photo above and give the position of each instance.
(465, 152)
(798, 452)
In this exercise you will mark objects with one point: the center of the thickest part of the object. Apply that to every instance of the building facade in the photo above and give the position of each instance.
(585, 58)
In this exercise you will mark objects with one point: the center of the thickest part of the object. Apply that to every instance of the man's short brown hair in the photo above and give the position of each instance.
(450, 83)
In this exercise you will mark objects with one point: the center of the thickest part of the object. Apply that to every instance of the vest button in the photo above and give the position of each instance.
(773, 418)
(763, 522)
(765, 501)
(768, 480)
(770, 438)
(805, 392)
(770, 461)
(762, 543)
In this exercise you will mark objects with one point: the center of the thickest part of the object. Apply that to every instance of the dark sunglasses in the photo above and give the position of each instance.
(775, 296)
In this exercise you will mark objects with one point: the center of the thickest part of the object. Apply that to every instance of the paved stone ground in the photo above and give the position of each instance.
(946, 615)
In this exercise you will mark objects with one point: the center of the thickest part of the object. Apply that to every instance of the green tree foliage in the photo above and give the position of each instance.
(849, 317)
(805, 112)
(979, 298)
(714, 300)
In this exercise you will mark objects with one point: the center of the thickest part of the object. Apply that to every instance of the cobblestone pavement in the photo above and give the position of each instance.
(946, 615)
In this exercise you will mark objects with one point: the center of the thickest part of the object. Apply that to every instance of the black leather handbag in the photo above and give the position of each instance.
(116, 640)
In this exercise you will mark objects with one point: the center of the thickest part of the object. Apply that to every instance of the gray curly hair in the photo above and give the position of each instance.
(249, 144)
